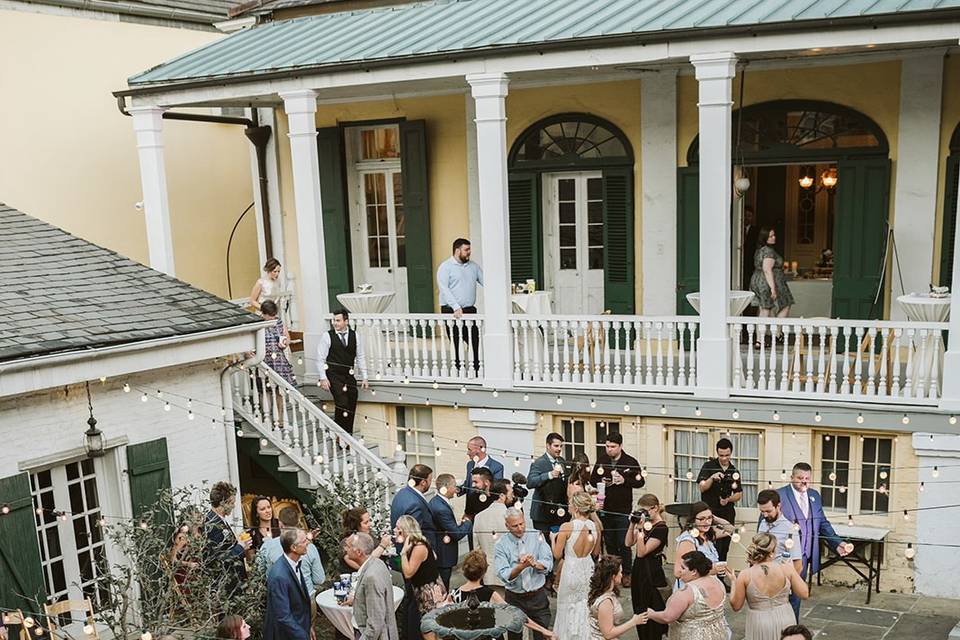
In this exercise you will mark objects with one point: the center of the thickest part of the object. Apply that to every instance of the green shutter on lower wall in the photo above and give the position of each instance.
(860, 234)
(618, 254)
(951, 184)
(333, 200)
(148, 472)
(688, 237)
(416, 210)
(526, 237)
(21, 576)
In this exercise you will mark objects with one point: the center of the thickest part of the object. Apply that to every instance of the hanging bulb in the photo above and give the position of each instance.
(669, 477)
(190, 415)
(788, 543)
(166, 406)
(560, 512)
(817, 417)
(446, 539)
(935, 473)
(463, 389)
(832, 476)
(496, 535)
(909, 553)
(516, 462)
(783, 474)
(793, 434)
(859, 418)
(842, 489)
(299, 360)
(559, 400)
(776, 416)
(456, 406)
(5, 509)
(427, 402)
(736, 414)
(366, 420)
(599, 471)
(103, 379)
(921, 486)
(626, 407)
(648, 526)
(735, 537)
(526, 397)
(438, 452)
(436, 385)
(593, 403)
(143, 398)
(495, 393)
(850, 521)
(906, 515)
(883, 475)
(689, 474)
(663, 409)
(126, 388)
(905, 419)
(239, 433)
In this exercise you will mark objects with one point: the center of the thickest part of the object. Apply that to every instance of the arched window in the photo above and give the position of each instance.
(570, 139)
(802, 130)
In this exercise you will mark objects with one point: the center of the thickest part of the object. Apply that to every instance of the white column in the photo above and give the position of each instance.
(658, 167)
(950, 391)
(489, 93)
(148, 125)
(473, 189)
(301, 109)
(715, 73)
(936, 567)
(918, 156)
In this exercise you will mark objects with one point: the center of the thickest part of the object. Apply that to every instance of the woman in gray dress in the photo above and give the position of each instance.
(768, 282)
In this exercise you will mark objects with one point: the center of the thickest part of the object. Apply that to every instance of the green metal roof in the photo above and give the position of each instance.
(406, 33)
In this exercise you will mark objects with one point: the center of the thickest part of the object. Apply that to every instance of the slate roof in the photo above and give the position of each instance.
(60, 293)
(410, 33)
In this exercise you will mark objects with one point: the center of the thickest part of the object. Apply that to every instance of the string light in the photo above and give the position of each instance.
(663, 409)
(436, 385)
(463, 389)
(495, 393)
(190, 415)
(626, 407)
(850, 520)
(166, 406)
(736, 414)
(905, 419)
(559, 400)
(689, 474)
(859, 418)
(952, 420)
(5, 509)
(526, 397)
(817, 417)
(593, 403)
(906, 515)
(697, 412)
(126, 388)
(143, 398)
(909, 553)
(103, 379)
(776, 416)
(936, 472)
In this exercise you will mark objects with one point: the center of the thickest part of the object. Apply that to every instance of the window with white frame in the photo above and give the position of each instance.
(573, 431)
(415, 435)
(602, 429)
(72, 546)
(863, 492)
(692, 448)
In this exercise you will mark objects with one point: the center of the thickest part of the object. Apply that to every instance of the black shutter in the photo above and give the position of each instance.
(618, 253)
(148, 471)
(333, 200)
(21, 576)
(416, 208)
(949, 220)
(526, 236)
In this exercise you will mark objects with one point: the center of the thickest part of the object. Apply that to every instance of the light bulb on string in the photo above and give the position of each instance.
(921, 487)
(783, 474)
(599, 471)
(516, 462)
(436, 385)
(842, 489)
(776, 416)
(697, 412)
(736, 414)
(952, 420)
(626, 407)
(859, 418)
(788, 543)
(166, 406)
(935, 473)
(526, 397)
(883, 475)
(593, 403)
(735, 537)
(849, 520)
(190, 415)
(495, 393)
(5, 509)
(559, 400)
(909, 553)
(663, 409)
(143, 398)
(832, 476)
(905, 419)
(463, 389)
(817, 417)
(126, 388)
(906, 515)
(689, 474)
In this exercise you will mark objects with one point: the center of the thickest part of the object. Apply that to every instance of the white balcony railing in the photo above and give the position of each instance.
(867, 360)
(613, 352)
(422, 346)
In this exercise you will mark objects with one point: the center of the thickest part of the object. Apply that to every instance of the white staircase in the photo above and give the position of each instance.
(304, 439)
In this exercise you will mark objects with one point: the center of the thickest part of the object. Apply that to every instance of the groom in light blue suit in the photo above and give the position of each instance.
(803, 506)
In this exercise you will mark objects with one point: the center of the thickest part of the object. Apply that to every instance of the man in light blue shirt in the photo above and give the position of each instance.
(457, 280)
(773, 522)
(310, 565)
(523, 560)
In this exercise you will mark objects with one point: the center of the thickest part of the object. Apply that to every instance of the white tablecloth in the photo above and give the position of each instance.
(928, 360)
(376, 302)
(538, 303)
(341, 617)
(920, 307)
(737, 301)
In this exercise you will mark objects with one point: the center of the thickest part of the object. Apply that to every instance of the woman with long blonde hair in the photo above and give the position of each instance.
(577, 542)
(766, 587)
(419, 565)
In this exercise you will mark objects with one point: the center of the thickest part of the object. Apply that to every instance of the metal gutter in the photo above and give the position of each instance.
(130, 9)
(658, 37)
(141, 345)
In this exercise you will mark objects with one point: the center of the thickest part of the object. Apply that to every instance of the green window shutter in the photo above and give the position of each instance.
(416, 209)
(333, 199)
(860, 234)
(688, 237)
(526, 237)
(618, 256)
(148, 471)
(949, 220)
(21, 576)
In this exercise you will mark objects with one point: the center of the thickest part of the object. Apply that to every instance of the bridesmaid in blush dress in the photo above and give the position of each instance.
(766, 588)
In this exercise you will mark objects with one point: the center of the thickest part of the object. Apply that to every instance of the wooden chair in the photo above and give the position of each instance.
(57, 609)
(16, 618)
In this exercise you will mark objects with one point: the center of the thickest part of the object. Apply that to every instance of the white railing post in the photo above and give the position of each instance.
(489, 92)
(301, 109)
(714, 73)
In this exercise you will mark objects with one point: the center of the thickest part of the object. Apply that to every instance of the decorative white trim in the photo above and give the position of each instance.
(69, 455)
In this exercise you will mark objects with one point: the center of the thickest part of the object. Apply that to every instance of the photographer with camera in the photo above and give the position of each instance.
(649, 532)
(620, 474)
(720, 488)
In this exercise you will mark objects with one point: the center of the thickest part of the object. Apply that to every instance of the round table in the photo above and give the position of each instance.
(538, 303)
(737, 301)
(374, 302)
(920, 307)
(341, 616)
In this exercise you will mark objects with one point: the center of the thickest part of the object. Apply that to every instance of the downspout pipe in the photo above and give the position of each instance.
(259, 136)
(226, 399)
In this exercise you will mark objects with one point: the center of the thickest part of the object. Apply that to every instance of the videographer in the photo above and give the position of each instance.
(720, 488)
(649, 532)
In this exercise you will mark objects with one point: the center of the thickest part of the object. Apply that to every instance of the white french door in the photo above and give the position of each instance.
(381, 239)
(573, 241)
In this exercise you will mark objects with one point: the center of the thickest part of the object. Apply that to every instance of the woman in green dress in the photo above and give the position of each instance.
(768, 282)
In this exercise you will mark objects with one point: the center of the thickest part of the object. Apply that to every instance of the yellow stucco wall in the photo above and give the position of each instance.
(69, 157)
(949, 120)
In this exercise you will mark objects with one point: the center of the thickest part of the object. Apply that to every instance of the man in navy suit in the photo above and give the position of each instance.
(222, 546)
(477, 458)
(288, 604)
(803, 506)
(410, 501)
(449, 533)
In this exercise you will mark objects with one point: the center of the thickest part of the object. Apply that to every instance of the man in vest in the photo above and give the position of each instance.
(340, 357)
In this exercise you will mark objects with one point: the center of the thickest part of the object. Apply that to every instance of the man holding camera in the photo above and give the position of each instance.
(620, 474)
(720, 488)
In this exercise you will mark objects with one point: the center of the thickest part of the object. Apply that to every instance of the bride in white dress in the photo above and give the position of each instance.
(577, 542)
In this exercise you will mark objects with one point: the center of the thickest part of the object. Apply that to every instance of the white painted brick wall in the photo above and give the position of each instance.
(53, 421)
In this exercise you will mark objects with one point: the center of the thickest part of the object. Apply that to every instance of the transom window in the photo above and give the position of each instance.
(415, 435)
(379, 143)
(572, 139)
(865, 492)
(691, 449)
(73, 546)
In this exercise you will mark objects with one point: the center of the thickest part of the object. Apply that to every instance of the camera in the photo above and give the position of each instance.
(520, 490)
(729, 483)
(638, 516)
